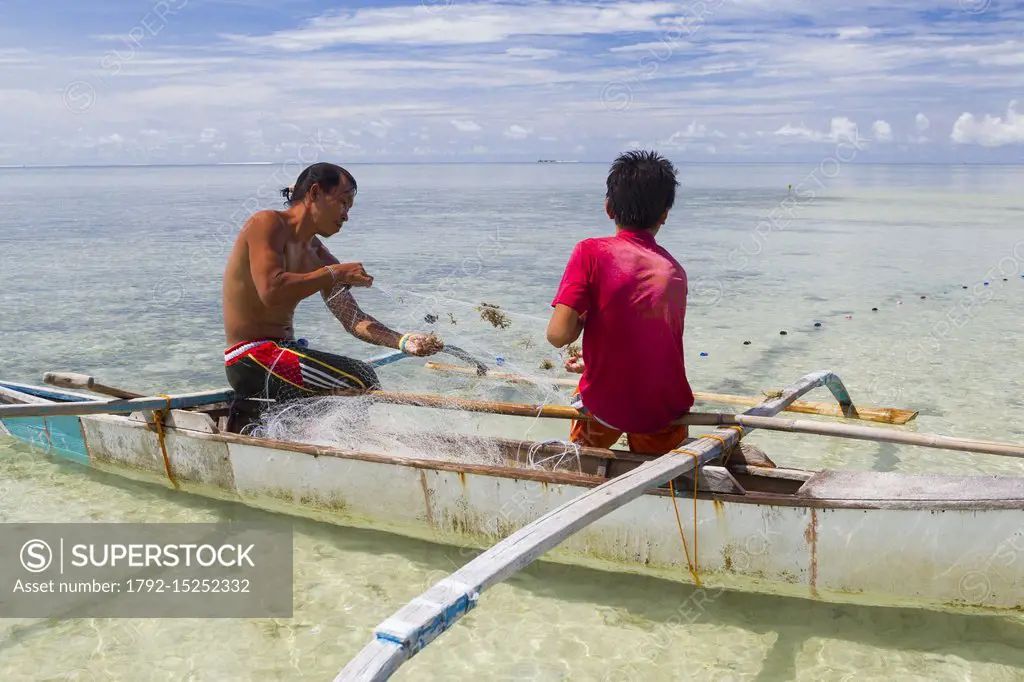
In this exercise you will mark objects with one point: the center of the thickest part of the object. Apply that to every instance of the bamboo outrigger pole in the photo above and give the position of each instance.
(885, 415)
(425, 618)
(857, 432)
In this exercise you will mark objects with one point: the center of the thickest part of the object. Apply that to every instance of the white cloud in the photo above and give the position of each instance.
(531, 52)
(659, 49)
(466, 126)
(517, 132)
(694, 131)
(842, 129)
(481, 22)
(854, 32)
(921, 125)
(991, 131)
(380, 128)
(882, 131)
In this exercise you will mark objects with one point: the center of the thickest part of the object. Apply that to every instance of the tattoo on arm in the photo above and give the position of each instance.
(343, 306)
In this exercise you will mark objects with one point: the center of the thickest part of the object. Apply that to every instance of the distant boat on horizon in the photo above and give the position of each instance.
(554, 161)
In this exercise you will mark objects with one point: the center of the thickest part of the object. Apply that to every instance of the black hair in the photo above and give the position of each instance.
(641, 187)
(326, 175)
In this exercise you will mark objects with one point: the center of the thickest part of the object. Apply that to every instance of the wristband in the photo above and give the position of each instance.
(334, 278)
(401, 342)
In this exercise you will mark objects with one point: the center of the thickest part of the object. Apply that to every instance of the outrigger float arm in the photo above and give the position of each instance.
(426, 617)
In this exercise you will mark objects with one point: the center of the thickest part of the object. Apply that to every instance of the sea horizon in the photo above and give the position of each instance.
(502, 163)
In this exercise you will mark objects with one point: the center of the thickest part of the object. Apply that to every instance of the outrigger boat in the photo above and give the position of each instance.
(887, 539)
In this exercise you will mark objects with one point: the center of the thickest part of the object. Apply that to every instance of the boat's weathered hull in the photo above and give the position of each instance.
(961, 556)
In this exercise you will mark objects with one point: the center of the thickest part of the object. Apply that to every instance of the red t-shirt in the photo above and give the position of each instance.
(633, 293)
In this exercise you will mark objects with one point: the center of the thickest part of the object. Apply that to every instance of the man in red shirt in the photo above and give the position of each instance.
(629, 295)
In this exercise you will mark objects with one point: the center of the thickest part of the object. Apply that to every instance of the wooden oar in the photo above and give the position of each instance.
(425, 618)
(704, 419)
(885, 415)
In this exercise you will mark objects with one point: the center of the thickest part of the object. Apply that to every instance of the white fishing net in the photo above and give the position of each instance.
(362, 425)
(507, 342)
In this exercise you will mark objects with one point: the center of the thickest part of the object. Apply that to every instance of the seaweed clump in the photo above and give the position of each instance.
(494, 314)
(574, 350)
(546, 364)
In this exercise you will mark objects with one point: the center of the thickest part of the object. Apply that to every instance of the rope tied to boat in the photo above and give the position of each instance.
(727, 449)
(691, 565)
(158, 424)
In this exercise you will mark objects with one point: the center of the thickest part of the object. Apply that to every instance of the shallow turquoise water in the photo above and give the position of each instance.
(117, 274)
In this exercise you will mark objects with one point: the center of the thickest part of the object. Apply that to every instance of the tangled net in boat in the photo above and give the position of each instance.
(362, 424)
(568, 458)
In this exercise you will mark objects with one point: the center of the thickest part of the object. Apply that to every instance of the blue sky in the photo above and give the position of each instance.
(196, 81)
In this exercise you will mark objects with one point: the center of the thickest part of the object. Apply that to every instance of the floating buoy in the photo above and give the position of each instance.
(850, 317)
(500, 360)
(303, 342)
(703, 354)
(923, 297)
(817, 324)
(430, 318)
(899, 302)
(986, 283)
(874, 310)
(965, 286)
(746, 343)
(783, 332)
(1004, 279)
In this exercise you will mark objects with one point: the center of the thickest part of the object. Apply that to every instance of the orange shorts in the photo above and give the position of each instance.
(592, 433)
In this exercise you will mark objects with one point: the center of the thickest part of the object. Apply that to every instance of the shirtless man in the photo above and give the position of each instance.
(278, 261)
